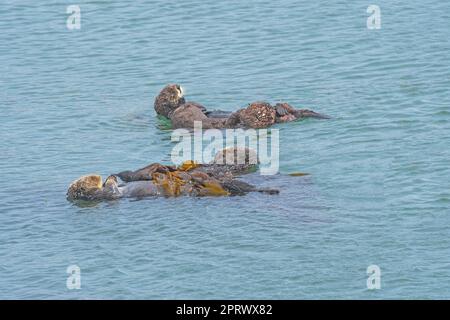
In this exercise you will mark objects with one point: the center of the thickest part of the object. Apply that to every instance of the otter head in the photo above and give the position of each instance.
(258, 115)
(85, 188)
(170, 98)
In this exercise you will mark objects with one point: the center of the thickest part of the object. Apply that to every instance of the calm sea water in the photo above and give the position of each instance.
(81, 101)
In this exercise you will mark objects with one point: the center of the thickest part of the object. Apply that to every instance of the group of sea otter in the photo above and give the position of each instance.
(171, 104)
(218, 178)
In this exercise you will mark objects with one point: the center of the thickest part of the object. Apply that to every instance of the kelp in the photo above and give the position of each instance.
(176, 183)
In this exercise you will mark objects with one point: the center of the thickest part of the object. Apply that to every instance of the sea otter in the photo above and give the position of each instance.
(170, 184)
(227, 163)
(171, 104)
(170, 98)
(192, 179)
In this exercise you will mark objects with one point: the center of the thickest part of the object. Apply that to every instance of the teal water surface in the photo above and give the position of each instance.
(81, 101)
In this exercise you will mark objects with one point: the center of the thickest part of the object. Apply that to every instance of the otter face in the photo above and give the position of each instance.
(173, 91)
(170, 98)
(84, 187)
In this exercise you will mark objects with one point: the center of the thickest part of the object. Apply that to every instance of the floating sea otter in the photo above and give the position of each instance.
(190, 179)
(171, 104)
